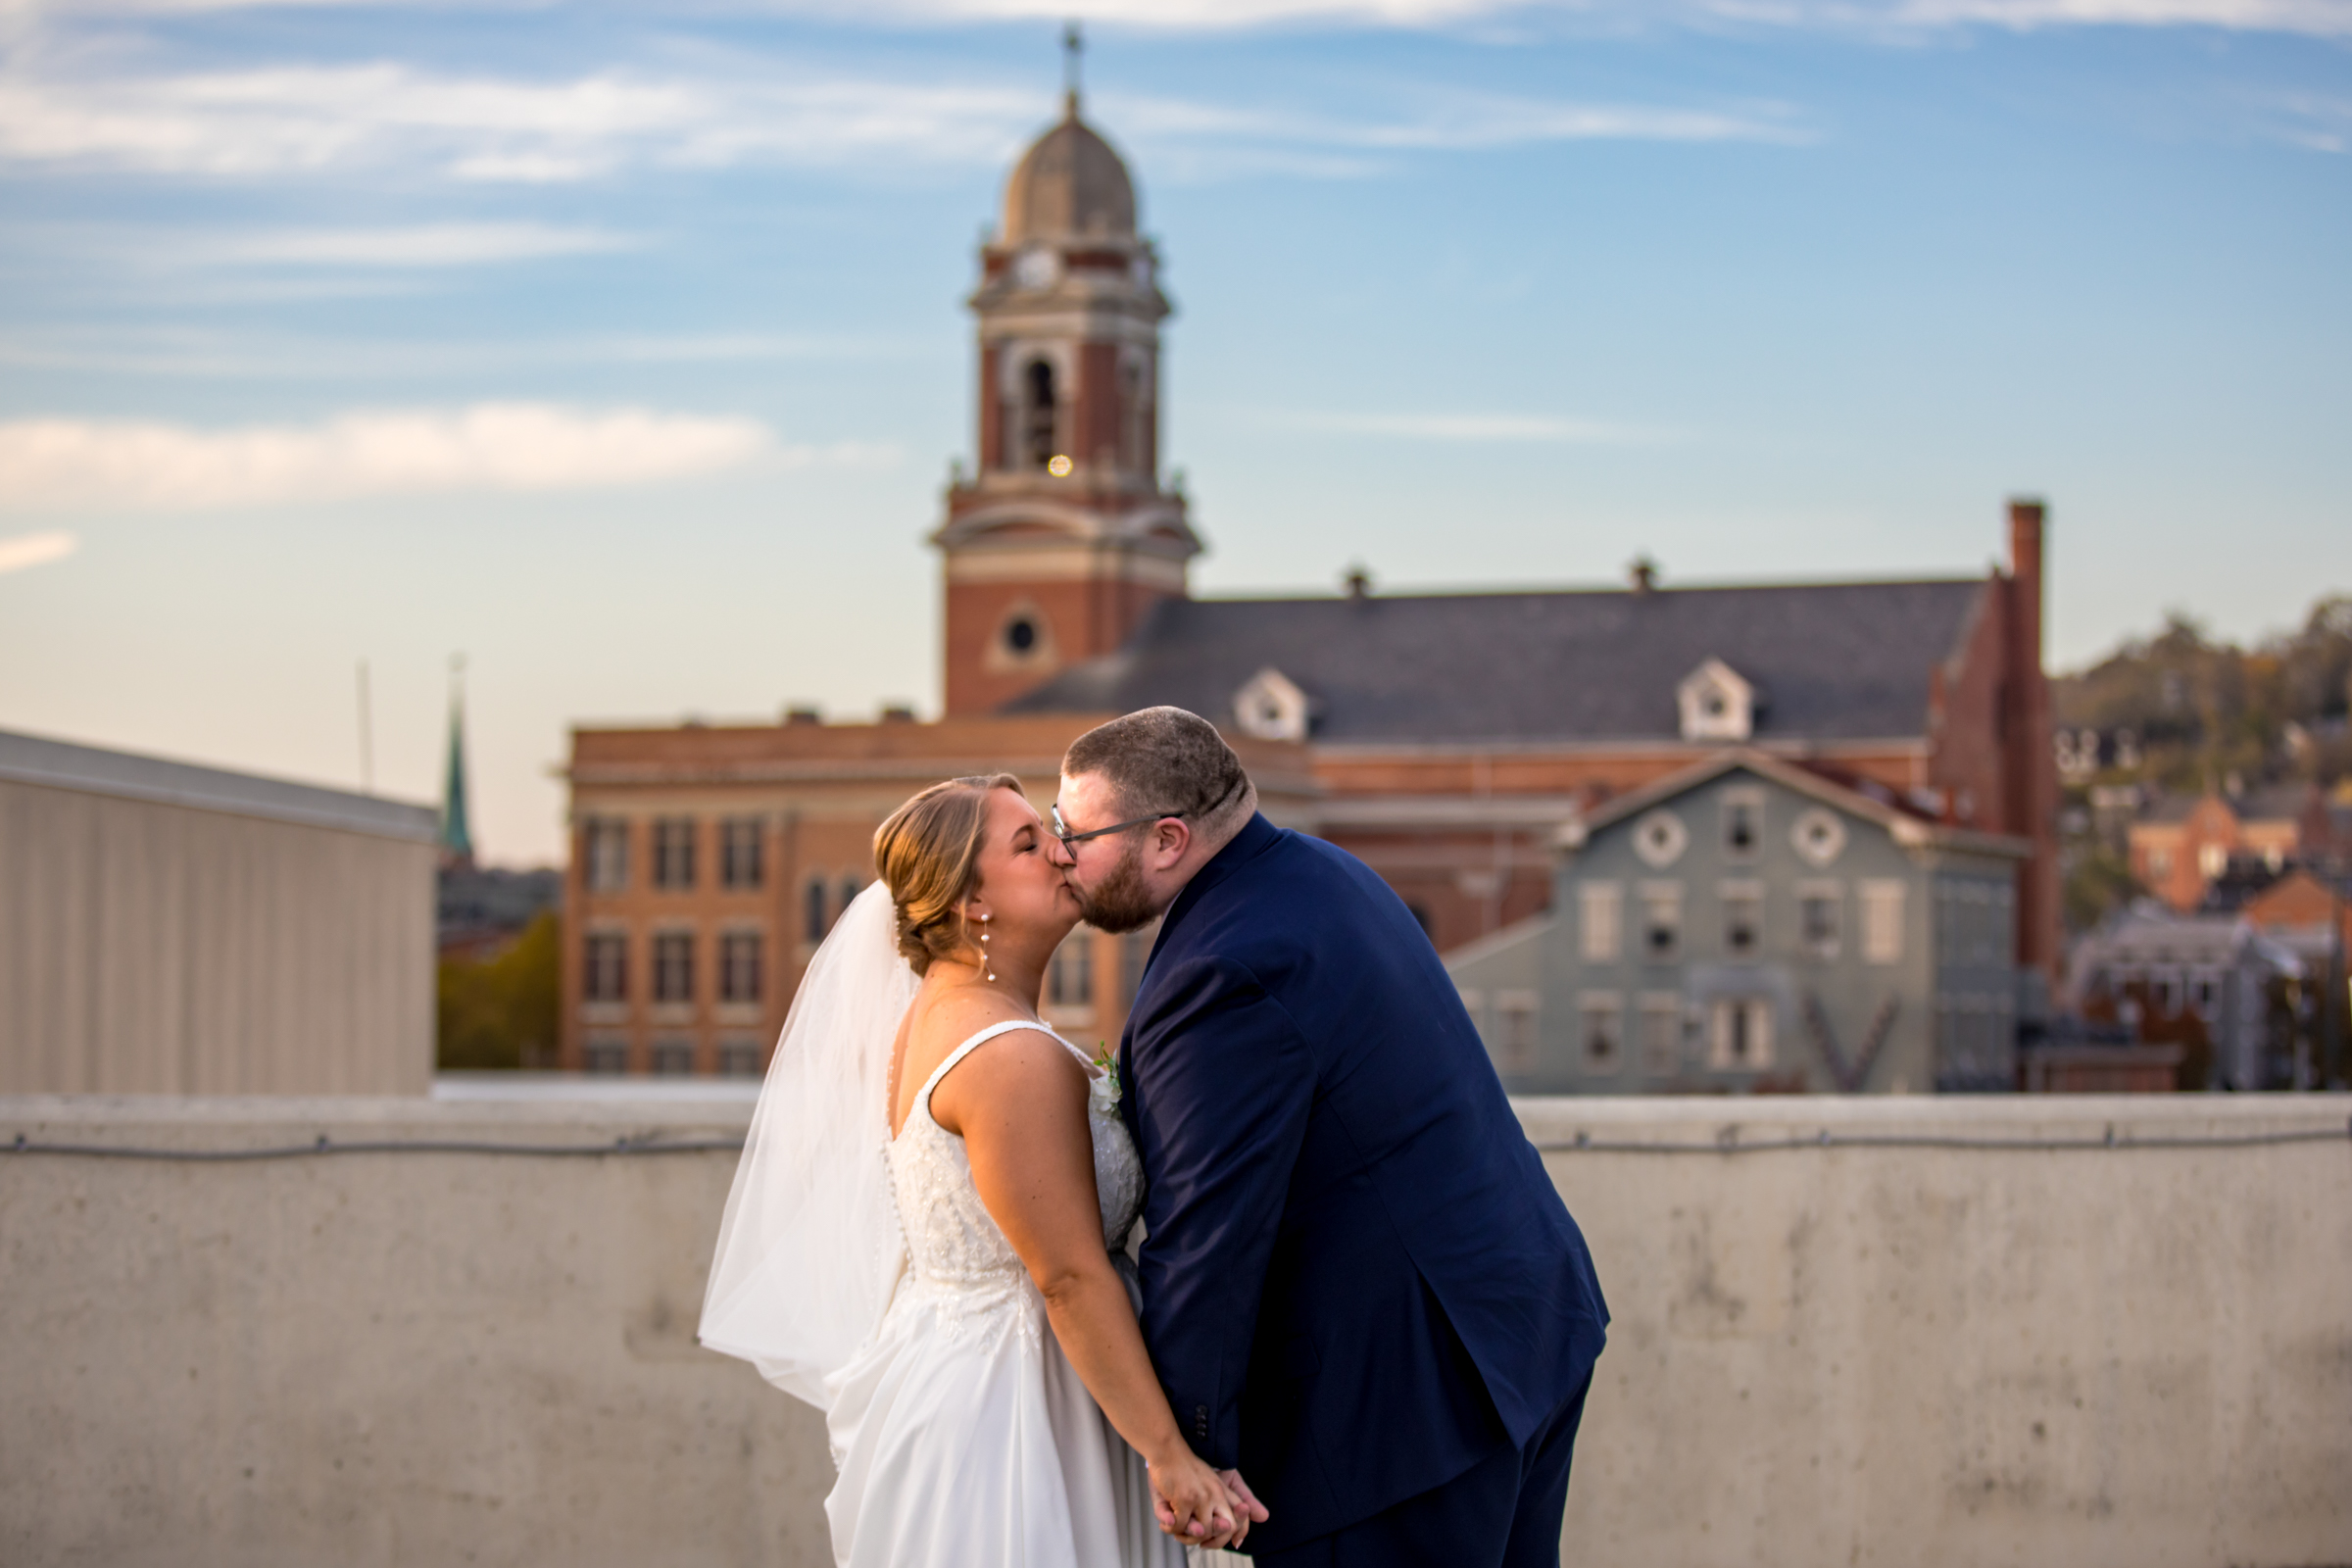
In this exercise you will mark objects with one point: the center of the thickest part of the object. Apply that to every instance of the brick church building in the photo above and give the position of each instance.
(1447, 739)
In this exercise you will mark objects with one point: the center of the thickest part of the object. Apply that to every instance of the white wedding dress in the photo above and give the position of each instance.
(860, 1272)
(962, 1435)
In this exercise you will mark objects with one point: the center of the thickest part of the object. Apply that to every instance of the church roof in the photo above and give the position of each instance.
(1070, 184)
(1831, 661)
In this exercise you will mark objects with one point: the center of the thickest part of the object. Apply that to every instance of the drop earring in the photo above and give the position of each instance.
(984, 964)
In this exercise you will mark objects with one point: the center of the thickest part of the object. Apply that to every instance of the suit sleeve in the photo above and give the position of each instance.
(1225, 1083)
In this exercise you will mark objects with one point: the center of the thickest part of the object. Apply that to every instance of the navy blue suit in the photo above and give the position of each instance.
(1358, 1281)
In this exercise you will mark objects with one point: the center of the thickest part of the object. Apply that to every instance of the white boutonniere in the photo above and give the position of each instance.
(1105, 1088)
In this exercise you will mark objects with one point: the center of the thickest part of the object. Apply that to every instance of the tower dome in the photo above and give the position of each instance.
(1070, 184)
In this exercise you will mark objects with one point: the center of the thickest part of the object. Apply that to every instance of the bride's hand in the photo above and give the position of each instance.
(1191, 1502)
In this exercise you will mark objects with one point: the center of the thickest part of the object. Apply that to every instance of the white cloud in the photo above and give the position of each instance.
(1479, 427)
(310, 118)
(423, 245)
(2312, 120)
(141, 349)
(1456, 121)
(34, 550)
(60, 111)
(495, 446)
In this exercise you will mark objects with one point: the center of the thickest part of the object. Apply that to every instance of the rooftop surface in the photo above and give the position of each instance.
(1833, 661)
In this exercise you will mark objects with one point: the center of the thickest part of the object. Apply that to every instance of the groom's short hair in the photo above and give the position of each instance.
(1164, 759)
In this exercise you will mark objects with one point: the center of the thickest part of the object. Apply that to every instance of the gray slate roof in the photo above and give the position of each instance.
(62, 765)
(1836, 661)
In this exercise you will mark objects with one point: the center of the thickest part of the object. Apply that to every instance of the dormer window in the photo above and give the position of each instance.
(1717, 704)
(1271, 706)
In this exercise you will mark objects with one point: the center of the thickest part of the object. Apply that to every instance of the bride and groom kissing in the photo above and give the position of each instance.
(1358, 1326)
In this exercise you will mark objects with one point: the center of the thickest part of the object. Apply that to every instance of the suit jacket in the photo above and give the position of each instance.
(1358, 1279)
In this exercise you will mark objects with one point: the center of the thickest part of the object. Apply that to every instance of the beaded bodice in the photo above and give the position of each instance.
(953, 1244)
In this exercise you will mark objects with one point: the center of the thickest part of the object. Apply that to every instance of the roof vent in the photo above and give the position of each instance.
(1358, 582)
(802, 716)
(897, 713)
(1271, 706)
(1644, 574)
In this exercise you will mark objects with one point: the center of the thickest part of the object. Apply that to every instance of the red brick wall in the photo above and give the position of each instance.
(1085, 618)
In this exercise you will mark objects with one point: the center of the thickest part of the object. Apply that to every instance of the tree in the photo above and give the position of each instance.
(501, 1011)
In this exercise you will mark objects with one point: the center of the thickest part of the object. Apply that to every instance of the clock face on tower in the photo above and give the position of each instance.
(1036, 268)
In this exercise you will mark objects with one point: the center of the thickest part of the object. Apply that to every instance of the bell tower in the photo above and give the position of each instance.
(1062, 537)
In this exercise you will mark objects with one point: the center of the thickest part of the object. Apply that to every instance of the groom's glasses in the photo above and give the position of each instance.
(1062, 829)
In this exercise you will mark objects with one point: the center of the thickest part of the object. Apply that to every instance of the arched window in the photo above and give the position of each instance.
(1039, 440)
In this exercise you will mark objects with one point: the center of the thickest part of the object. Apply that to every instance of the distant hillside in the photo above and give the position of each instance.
(2183, 712)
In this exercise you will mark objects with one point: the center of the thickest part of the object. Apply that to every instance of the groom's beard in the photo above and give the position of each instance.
(1119, 902)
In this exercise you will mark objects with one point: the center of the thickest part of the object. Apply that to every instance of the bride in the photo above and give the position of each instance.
(933, 1180)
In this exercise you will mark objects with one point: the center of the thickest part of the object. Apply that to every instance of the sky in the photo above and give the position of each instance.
(619, 349)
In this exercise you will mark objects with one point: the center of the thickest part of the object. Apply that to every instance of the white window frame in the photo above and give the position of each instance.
(1602, 1004)
(1750, 892)
(1882, 900)
(1748, 798)
(1661, 1014)
(1666, 895)
(674, 845)
(742, 851)
(607, 853)
(730, 941)
(1834, 894)
(1725, 1017)
(1518, 1030)
(655, 970)
(599, 940)
(1600, 921)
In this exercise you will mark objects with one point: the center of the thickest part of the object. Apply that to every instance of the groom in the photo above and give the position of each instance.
(1359, 1286)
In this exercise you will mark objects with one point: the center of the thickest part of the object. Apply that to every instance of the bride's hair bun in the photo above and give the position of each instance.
(926, 853)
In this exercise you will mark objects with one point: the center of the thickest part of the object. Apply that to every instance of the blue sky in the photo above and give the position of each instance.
(621, 347)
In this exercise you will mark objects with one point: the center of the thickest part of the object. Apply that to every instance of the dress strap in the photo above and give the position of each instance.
(1009, 1026)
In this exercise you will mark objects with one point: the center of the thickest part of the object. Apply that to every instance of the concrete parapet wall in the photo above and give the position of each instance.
(1821, 1354)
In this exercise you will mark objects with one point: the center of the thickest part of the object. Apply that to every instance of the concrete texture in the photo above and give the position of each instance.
(1834, 1355)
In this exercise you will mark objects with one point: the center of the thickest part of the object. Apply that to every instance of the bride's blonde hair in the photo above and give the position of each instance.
(927, 853)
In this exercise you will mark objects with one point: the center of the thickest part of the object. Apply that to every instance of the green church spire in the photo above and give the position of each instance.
(456, 836)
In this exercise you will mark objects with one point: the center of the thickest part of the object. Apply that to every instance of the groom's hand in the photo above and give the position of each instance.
(1247, 1509)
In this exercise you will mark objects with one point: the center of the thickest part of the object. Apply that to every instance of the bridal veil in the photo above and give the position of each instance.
(810, 1248)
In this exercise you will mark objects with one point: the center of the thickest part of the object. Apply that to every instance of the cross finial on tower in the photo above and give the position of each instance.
(1071, 45)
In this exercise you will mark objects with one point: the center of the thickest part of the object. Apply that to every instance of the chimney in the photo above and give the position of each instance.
(2029, 759)
(1644, 574)
(1359, 582)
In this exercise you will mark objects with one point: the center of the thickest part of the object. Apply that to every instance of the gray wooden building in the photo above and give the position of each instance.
(171, 929)
(1750, 924)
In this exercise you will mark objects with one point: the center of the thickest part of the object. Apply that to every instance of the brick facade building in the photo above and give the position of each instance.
(1443, 738)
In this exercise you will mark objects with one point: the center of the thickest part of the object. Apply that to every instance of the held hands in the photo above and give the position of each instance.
(1201, 1506)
